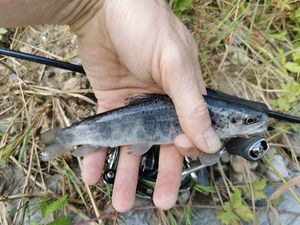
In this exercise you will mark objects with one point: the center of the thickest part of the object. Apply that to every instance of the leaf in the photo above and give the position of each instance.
(292, 67)
(24, 146)
(181, 5)
(239, 208)
(259, 195)
(258, 187)
(278, 36)
(259, 184)
(297, 15)
(62, 220)
(204, 189)
(282, 104)
(187, 215)
(171, 218)
(290, 94)
(281, 58)
(244, 213)
(235, 199)
(227, 216)
(296, 55)
(49, 207)
(3, 31)
(235, 211)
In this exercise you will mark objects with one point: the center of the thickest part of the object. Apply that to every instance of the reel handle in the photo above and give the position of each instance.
(251, 149)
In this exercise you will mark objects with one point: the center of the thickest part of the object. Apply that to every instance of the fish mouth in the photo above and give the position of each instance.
(259, 128)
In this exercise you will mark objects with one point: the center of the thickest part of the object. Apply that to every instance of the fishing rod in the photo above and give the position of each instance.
(79, 69)
(42, 60)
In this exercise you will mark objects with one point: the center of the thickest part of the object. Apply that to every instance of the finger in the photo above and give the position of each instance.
(183, 82)
(185, 146)
(92, 166)
(126, 181)
(168, 178)
(189, 152)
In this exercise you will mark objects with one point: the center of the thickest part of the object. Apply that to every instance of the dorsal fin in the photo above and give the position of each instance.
(140, 97)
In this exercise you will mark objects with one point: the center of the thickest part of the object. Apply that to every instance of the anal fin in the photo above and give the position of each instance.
(79, 151)
(139, 149)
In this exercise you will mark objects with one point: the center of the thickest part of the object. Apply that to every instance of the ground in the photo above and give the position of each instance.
(246, 48)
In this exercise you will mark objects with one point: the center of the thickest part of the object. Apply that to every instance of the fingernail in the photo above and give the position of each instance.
(212, 140)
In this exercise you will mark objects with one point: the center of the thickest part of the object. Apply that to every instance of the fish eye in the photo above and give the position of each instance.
(250, 120)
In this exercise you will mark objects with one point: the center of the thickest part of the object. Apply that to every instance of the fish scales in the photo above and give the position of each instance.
(151, 121)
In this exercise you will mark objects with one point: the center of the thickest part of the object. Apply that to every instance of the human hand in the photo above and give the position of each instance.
(134, 46)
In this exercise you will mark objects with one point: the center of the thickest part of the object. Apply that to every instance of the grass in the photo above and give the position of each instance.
(247, 48)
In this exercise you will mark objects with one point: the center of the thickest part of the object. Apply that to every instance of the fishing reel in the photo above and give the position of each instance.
(251, 149)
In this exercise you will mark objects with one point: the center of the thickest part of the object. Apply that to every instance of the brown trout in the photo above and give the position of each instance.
(149, 120)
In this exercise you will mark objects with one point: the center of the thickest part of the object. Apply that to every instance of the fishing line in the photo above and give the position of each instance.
(79, 69)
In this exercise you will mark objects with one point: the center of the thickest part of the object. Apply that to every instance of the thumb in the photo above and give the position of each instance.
(183, 82)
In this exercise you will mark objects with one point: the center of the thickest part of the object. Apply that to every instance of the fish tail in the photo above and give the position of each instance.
(50, 136)
(54, 144)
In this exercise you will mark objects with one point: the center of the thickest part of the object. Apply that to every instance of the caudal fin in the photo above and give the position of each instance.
(50, 136)
(54, 146)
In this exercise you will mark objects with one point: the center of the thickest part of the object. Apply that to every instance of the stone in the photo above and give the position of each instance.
(292, 141)
(287, 214)
(4, 125)
(243, 178)
(225, 157)
(238, 164)
(13, 77)
(145, 216)
(280, 166)
(183, 196)
(253, 165)
(239, 56)
(72, 83)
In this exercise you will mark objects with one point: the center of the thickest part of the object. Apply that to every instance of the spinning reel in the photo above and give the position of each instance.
(251, 149)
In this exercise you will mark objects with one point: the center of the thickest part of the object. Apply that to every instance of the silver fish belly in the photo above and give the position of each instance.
(149, 122)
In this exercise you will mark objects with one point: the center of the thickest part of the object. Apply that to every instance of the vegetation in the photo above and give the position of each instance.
(246, 48)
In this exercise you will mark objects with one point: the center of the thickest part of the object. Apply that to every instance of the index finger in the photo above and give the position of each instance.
(183, 82)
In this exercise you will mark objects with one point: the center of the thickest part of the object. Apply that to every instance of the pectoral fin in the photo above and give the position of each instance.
(79, 151)
(138, 149)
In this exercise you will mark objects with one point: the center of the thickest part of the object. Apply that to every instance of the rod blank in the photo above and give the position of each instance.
(42, 60)
(79, 69)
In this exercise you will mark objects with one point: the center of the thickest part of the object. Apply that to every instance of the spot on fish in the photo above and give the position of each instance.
(233, 120)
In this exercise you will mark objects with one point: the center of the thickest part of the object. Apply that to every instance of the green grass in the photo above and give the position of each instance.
(246, 48)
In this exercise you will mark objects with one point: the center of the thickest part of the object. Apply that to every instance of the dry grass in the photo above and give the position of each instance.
(239, 53)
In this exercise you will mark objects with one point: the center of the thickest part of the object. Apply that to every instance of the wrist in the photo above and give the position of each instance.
(16, 13)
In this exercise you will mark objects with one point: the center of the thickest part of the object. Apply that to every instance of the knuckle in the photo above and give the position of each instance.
(199, 108)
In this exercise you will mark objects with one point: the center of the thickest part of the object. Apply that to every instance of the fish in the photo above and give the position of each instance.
(147, 120)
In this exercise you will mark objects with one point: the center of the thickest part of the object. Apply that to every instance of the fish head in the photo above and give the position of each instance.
(237, 122)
